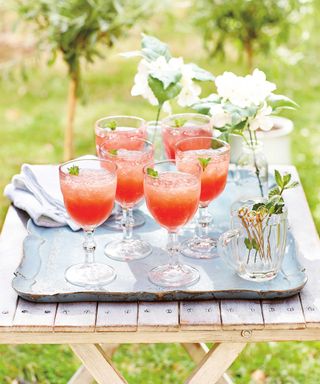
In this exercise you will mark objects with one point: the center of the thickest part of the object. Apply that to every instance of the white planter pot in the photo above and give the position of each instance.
(277, 142)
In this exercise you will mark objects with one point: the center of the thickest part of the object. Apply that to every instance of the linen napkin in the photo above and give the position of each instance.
(36, 190)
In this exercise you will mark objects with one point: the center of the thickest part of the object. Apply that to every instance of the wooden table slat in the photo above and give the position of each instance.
(241, 314)
(76, 317)
(160, 316)
(35, 315)
(285, 313)
(12, 235)
(117, 317)
(200, 315)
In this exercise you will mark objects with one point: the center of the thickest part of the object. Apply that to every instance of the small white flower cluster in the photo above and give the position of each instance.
(243, 92)
(189, 93)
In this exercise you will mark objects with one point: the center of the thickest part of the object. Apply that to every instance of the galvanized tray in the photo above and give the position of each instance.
(48, 252)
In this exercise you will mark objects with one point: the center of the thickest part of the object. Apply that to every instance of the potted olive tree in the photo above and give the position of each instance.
(74, 29)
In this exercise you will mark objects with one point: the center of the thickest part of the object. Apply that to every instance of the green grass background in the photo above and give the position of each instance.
(33, 115)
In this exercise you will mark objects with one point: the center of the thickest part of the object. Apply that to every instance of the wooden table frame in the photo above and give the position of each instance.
(95, 330)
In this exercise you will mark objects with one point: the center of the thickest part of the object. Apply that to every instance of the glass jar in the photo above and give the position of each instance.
(154, 135)
(252, 170)
(255, 246)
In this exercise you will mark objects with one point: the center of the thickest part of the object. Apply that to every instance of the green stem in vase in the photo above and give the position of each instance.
(157, 121)
(255, 162)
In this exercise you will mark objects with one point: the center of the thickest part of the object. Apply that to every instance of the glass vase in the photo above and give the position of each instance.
(255, 246)
(252, 170)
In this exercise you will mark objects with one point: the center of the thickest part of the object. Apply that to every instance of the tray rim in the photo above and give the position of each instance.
(154, 296)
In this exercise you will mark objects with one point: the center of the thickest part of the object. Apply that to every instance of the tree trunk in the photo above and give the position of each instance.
(249, 53)
(72, 103)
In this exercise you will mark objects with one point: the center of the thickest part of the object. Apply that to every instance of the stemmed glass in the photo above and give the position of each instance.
(130, 163)
(172, 198)
(181, 126)
(115, 132)
(88, 188)
(214, 156)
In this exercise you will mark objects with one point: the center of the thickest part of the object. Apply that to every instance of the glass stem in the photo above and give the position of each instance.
(89, 246)
(204, 220)
(173, 248)
(127, 223)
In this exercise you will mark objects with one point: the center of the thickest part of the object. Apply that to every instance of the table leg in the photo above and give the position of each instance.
(215, 362)
(197, 352)
(82, 375)
(97, 362)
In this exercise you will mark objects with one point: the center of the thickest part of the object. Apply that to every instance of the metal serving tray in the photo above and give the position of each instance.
(48, 252)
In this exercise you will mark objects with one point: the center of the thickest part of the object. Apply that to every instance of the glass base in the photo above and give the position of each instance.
(90, 275)
(174, 276)
(127, 250)
(114, 221)
(258, 277)
(198, 248)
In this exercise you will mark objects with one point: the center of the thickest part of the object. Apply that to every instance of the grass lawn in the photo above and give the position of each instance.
(33, 117)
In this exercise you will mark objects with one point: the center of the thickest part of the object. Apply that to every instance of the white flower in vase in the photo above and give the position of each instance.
(220, 117)
(161, 78)
(262, 119)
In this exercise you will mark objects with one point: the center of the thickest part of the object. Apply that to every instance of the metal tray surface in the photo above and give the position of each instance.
(48, 252)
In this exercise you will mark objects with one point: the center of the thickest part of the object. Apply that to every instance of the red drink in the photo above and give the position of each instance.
(172, 198)
(130, 165)
(214, 174)
(124, 128)
(89, 196)
(183, 126)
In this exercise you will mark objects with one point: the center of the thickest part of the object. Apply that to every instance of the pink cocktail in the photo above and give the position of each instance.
(172, 198)
(130, 163)
(115, 132)
(182, 126)
(214, 158)
(88, 188)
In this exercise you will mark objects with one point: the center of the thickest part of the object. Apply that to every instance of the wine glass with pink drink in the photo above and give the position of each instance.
(130, 161)
(182, 126)
(213, 155)
(172, 198)
(115, 132)
(88, 188)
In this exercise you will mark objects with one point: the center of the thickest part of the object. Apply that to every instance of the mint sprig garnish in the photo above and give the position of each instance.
(204, 162)
(152, 172)
(215, 144)
(74, 170)
(179, 122)
(113, 152)
(112, 125)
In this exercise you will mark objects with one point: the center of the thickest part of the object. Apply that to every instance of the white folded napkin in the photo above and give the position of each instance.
(36, 190)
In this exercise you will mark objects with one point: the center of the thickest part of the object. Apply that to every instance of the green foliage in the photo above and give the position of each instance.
(74, 170)
(204, 162)
(179, 122)
(152, 172)
(161, 93)
(74, 27)
(249, 25)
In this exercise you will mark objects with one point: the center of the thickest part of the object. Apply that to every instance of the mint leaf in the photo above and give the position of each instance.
(152, 172)
(204, 162)
(113, 152)
(248, 243)
(215, 144)
(286, 178)
(292, 185)
(74, 170)
(179, 122)
(278, 178)
(255, 244)
(112, 125)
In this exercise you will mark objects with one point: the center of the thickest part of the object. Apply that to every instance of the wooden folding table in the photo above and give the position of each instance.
(94, 330)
